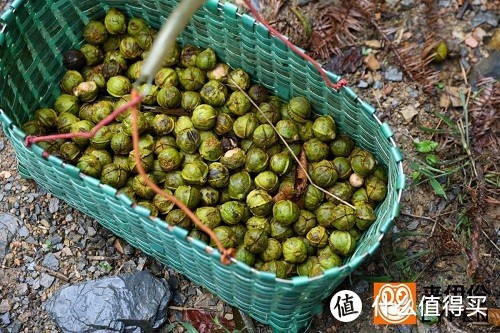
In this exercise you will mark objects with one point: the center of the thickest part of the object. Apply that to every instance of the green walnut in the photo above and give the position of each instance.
(256, 160)
(81, 126)
(245, 256)
(313, 197)
(281, 163)
(305, 131)
(267, 112)
(343, 167)
(163, 142)
(102, 155)
(258, 94)
(232, 212)
(188, 55)
(70, 152)
(218, 175)
(118, 86)
(163, 124)
(223, 124)
(219, 73)
(264, 136)
(256, 240)
(267, 181)
(134, 71)
(238, 78)
(204, 117)
(225, 235)
(191, 78)
(70, 81)
(95, 32)
(170, 159)
(66, 103)
(114, 175)
(294, 250)
(209, 196)
(188, 140)
(340, 190)
(356, 180)
(259, 202)
(121, 143)
(279, 231)
(169, 97)
(325, 214)
(256, 222)
(278, 267)
(328, 259)
(179, 218)
(158, 172)
(195, 173)
(323, 173)
(166, 77)
(342, 146)
(305, 222)
(288, 130)
(342, 242)
(47, 117)
(306, 267)
(206, 60)
(362, 162)
(379, 172)
(149, 93)
(238, 103)
(317, 236)
(210, 217)
(101, 110)
(188, 195)
(365, 215)
(137, 26)
(324, 128)
(214, 93)
(130, 48)
(273, 251)
(286, 212)
(244, 126)
(360, 196)
(240, 184)
(182, 123)
(376, 189)
(141, 188)
(147, 160)
(173, 179)
(115, 21)
(92, 54)
(316, 150)
(239, 232)
(299, 109)
(355, 233)
(90, 165)
(274, 149)
(343, 217)
(142, 123)
(246, 145)
(200, 235)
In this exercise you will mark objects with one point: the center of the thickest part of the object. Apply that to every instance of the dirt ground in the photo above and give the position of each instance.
(433, 240)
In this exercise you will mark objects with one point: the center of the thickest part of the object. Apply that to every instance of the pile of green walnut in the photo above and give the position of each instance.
(203, 141)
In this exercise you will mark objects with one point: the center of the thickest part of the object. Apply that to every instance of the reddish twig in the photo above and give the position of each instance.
(337, 86)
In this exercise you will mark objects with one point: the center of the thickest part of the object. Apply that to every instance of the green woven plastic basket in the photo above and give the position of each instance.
(34, 34)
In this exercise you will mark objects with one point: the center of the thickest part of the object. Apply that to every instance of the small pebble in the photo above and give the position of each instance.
(413, 225)
(362, 84)
(91, 231)
(23, 232)
(53, 205)
(392, 74)
(2, 145)
(46, 280)
(50, 261)
(377, 85)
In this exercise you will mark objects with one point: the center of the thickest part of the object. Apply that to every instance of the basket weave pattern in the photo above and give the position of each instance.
(37, 33)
